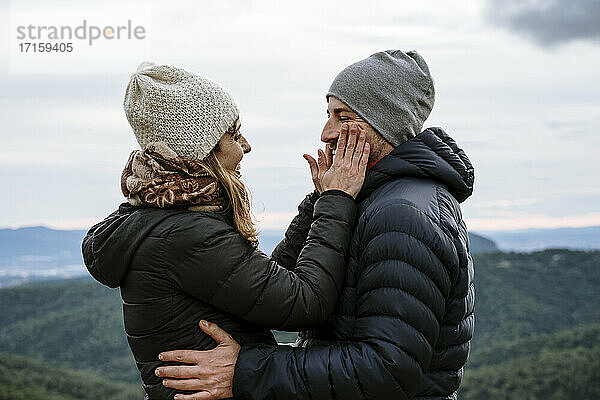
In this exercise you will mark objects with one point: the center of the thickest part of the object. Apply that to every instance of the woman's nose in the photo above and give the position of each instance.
(245, 145)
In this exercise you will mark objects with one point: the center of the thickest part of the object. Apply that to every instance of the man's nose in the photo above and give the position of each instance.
(245, 145)
(330, 133)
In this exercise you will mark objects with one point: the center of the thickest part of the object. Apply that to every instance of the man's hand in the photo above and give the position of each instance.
(210, 372)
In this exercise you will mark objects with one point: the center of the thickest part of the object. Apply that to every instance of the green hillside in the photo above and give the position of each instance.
(550, 375)
(534, 312)
(74, 323)
(579, 336)
(558, 366)
(23, 379)
(520, 294)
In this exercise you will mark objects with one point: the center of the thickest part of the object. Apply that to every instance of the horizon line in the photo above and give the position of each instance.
(280, 221)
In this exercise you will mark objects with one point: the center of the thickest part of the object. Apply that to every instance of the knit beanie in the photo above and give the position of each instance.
(391, 90)
(186, 111)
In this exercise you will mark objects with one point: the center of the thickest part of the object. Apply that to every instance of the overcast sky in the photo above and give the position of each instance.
(515, 84)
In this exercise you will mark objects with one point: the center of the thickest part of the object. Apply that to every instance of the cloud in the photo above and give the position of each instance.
(524, 115)
(549, 22)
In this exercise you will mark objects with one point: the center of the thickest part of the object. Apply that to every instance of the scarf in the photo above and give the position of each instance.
(158, 177)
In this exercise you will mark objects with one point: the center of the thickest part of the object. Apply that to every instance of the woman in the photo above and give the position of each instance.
(184, 248)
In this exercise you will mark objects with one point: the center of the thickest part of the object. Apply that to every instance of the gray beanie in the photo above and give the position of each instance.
(391, 90)
(186, 111)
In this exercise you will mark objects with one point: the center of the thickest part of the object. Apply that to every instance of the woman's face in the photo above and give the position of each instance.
(232, 147)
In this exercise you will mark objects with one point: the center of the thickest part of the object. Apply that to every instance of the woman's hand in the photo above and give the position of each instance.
(347, 169)
(317, 169)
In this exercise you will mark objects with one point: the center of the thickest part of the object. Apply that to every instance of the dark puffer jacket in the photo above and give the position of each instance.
(176, 267)
(403, 323)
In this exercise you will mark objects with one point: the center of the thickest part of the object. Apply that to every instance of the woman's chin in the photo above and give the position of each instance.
(237, 170)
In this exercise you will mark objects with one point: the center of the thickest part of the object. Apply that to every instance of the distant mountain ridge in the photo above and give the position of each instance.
(38, 253)
(39, 243)
(41, 253)
(586, 238)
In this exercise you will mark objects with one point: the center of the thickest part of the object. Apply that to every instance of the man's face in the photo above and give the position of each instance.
(338, 113)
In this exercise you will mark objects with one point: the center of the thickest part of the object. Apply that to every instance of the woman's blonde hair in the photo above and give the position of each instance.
(238, 199)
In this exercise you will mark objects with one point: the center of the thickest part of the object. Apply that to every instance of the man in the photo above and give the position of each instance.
(403, 323)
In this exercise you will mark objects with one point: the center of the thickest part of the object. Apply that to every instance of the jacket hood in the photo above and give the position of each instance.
(109, 246)
(432, 154)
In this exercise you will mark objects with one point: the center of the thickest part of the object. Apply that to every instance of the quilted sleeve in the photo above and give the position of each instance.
(287, 251)
(227, 271)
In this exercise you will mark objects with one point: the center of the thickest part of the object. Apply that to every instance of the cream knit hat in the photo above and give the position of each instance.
(186, 111)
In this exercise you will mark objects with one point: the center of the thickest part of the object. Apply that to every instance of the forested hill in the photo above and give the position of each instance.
(536, 333)
(559, 366)
(25, 379)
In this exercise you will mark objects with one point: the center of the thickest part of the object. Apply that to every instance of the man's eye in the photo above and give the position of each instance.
(344, 118)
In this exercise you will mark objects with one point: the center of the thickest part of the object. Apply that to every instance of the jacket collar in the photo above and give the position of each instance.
(431, 155)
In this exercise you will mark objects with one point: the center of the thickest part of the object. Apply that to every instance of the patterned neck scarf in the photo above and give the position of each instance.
(158, 177)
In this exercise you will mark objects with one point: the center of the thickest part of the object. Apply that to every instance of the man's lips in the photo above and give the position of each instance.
(332, 146)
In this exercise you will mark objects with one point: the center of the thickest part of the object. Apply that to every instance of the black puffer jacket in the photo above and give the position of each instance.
(176, 267)
(404, 320)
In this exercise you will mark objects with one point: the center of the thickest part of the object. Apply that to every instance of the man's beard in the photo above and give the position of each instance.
(374, 153)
